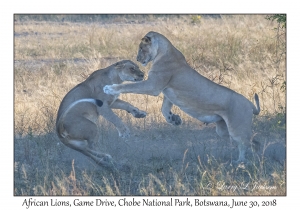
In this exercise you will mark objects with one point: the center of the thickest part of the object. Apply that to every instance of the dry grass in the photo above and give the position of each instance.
(239, 51)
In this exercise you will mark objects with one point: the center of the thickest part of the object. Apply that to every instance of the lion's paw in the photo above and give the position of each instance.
(107, 158)
(110, 89)
(138, 113)
(173, 119)
(176, 120)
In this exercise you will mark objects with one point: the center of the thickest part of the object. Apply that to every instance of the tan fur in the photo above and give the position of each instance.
(191, 92)
(77, 119)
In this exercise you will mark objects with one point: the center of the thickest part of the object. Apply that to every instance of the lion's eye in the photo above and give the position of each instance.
(132, 69)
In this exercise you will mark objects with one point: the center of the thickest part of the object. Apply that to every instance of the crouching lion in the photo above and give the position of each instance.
(77, 122)
(191, 92)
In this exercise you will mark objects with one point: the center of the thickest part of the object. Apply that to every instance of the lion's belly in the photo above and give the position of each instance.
(203, 116)
(193, 106)
(210, 119)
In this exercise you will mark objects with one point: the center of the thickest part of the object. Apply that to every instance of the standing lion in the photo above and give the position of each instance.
(191, 92)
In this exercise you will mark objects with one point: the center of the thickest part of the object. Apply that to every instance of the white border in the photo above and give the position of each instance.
(8, 201)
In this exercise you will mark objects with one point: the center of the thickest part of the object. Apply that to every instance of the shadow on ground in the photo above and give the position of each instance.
(153, 149)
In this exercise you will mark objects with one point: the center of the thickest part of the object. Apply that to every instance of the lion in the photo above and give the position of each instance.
(194, 94)
(77, 123)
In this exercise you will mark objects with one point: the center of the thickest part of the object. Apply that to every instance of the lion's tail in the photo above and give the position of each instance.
(59, 124)
(256, 109)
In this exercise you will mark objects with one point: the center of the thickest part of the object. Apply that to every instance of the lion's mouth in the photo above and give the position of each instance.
(139, 79)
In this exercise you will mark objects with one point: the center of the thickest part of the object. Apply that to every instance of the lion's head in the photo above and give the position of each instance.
(148, 49)
(129, 71)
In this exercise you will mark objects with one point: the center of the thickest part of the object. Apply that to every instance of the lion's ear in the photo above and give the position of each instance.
(119, 65)
(146, 40)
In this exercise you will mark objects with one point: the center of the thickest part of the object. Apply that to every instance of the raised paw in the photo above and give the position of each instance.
(138, 113)
(110, 89)
(176, 120)
(173, 119)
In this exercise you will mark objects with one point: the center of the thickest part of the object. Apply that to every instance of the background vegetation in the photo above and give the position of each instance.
(53, 53)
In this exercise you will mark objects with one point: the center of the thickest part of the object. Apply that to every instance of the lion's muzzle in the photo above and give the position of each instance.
(142, 59)
(139, 77)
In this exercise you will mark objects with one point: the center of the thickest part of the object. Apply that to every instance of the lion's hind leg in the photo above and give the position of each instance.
(82, 146)
(82, 137)
(221, 129)
(241, 134)
(169, 116)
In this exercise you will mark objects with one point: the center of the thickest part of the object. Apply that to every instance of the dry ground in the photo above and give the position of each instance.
(242, 52)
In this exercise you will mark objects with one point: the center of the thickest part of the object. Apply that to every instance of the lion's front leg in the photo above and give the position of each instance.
(110, 116)
(119, 104)
(169, 116)
(153, 86)
(111, 89)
